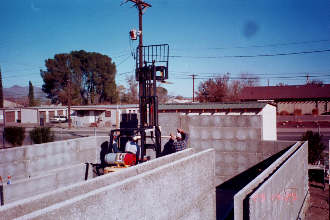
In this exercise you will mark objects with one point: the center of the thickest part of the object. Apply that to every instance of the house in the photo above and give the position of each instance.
(294, 99)
(31, 114)
(100, 115)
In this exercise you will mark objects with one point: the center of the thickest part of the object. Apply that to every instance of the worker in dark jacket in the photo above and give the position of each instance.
(176, 143)
(180, 142)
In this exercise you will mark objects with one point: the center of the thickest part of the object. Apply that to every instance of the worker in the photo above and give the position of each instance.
(176, 143)
(133, 147)
(115, 144)
(180, 142)
(114, 147)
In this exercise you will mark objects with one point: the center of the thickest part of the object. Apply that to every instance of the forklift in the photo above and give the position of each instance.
(151, 67)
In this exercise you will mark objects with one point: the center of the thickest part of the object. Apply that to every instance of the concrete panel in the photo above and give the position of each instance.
(28, 205)
(151, 195)
(242, 194)
(278, 199)
(31, 160)
(54, 179)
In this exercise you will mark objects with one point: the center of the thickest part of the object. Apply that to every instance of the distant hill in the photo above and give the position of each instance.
(21, 92)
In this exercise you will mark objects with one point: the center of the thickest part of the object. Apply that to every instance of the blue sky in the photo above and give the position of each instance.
(205, 37)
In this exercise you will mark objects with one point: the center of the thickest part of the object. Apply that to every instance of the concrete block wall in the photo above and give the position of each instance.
(250, 188)
(33, 160)
(283, 194)
(237, 139)
(182, 189)
(50, 181)
(41, 201)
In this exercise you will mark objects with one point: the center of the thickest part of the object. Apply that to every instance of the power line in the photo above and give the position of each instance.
(274, 77)
(252, 56)
(259, 46)
(271, 45)
(186, 73)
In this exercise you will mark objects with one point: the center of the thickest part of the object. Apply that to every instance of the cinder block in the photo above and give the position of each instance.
(228, 133)
(229, 158)
(217, 121)
(242, 133)
(205, 121)
(219, 145)
(253, 134)
(254, 121)
(252, 147)
(242, 160)
(194, 133)
(216, 133)
(252, 158)
(241, 121)
(205, 133)
(228, 121)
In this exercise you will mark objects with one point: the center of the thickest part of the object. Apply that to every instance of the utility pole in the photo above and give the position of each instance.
(141, 6)
(4, 126)
(307, 78)
(3, 111)
(69, 88)
(193, 78)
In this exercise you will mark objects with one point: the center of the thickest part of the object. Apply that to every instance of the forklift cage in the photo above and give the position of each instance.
(156, 55)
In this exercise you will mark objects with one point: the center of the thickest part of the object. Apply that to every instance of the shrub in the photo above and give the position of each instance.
(284, 112)
(315, 111)
(41, 135)
(315, 146)
(15, 135)
(297, 111)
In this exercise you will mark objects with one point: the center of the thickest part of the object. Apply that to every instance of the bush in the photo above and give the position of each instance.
(315, 146)
(15, 135)
(297, 111)
(315, 111)
(284, 113)
(41, 135)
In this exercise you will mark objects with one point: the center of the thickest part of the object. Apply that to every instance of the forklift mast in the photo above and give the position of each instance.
(154, 68)
(151, 66)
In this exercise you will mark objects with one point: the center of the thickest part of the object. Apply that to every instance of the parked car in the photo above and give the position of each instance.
(58, 119)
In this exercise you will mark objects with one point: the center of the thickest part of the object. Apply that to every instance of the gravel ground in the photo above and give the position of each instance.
(319, 202)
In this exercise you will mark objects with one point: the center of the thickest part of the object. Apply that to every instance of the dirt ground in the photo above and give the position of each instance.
(319, 202)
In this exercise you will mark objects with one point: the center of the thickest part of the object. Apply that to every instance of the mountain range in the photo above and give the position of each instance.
(19, 92)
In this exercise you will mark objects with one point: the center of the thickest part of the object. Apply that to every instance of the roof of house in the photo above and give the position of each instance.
(10, 104)
(219, 106)
(103, 107)
(310, 91)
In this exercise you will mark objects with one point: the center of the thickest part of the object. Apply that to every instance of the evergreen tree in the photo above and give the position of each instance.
(92, 77)
(31, 95)
(1, 92)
